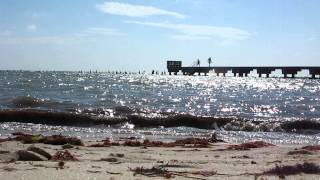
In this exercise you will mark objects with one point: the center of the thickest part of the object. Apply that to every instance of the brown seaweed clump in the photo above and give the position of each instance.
(148, 143)
(193, 142)
(53, 140)
(250, 145)
(98, 145)
(132, 143)
(158, 171)
(106, 143)
(61, 140)
(307, 168)
(299, 152)
(27, 138)
(4, 140)
(152, 172)
(312, 148)
(187, 142)
(64, 156)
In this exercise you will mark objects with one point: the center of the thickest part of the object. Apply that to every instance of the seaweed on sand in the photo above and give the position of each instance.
(249, 145)
(64, 156)
(106, 143)
(4, 140)
(132, 143)
(193, 142)
(98, 145)
(160, 171)
(151, 172)
(198, 142)
(299, 152)
(61, 140)
(307, 168)
(111, 159)
(312, 148)
(53, 140)
(148, 143)
(187, 142)
(26, 138)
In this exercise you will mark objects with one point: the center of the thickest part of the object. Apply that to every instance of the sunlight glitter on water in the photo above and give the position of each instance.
(267, 99)
(178, 93)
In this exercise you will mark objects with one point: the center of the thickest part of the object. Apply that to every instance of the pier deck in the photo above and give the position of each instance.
(288, 71)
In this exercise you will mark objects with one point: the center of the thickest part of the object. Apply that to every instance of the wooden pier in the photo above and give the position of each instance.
(174, 67)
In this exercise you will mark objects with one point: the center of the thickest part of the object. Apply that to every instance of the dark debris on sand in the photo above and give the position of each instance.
(312, 148)
(135, 143)
(27, 138)
(193, 142)
(249, 145)
(307, 168)
(186, 142)
(196, 142)
(53, 140)
(151, 172)
(160, 171)
(61, 140)
(148, 143)
(298, 152)
(64, 156)
(106, 143)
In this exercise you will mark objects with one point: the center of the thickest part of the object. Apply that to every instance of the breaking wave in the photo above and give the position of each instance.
(96, 117)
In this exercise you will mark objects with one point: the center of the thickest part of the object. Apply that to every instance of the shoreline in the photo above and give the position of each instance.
(129, 160)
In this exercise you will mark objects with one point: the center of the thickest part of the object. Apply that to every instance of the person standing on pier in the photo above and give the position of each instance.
(209, 61)
(198, 62)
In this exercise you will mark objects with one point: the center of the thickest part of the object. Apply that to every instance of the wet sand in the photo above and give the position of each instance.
(123, 162)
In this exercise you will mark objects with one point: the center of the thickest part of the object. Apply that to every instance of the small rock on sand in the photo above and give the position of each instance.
(40, 151)
(24, 155)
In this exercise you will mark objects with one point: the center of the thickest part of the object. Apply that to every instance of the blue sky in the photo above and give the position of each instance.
(143, 34)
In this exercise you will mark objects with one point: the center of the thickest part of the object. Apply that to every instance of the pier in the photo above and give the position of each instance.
(174, 67)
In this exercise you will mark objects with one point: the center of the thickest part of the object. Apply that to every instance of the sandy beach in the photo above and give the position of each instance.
(159, 89)
(133, 160)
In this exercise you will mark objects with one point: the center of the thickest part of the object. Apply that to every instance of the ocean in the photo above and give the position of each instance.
(100, 104)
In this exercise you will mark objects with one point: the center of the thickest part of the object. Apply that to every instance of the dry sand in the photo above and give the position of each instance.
(231, 164)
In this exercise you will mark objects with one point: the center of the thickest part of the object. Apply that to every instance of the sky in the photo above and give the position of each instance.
(137, 35)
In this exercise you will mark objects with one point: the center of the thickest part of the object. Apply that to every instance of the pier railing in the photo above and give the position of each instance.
(287, 71)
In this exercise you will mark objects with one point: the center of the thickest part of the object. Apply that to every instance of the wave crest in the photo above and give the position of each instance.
(142, 120)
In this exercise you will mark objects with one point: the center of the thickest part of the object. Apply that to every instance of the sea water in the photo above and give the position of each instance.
(271, 100)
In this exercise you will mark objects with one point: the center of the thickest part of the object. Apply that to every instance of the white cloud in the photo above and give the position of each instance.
(83, 36)
(190, 32)
(98, 31)
(124, 9)
(36, 15)
(188, 37)
(33, 40)
(312, 38)
(5, 33)
(196, 3)
(32, 27)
